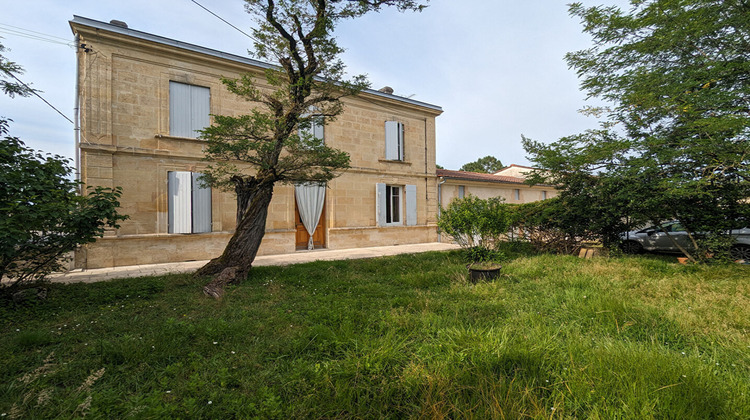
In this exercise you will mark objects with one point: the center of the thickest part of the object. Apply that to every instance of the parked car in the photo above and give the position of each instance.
(654, 238)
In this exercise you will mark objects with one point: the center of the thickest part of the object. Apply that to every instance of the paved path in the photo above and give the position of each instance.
(99, 274)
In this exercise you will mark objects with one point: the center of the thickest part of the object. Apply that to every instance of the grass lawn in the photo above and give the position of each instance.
(395, 337)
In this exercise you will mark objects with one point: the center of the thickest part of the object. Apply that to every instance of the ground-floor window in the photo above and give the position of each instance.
(189, 204)
(396, 204)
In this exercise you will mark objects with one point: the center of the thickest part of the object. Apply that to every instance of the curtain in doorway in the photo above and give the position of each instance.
(310, 198)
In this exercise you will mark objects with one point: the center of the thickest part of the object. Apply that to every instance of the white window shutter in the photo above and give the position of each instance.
(411, 205)
(201, 201)
(179, 202)
(179, 109)
(318, 129)
(200, 109)
(380, 204)
(189, 109)
(391, 140)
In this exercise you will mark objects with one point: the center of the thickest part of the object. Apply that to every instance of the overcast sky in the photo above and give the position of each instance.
(496, 67)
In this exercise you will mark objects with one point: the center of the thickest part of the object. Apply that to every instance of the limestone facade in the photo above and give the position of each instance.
(124, 89)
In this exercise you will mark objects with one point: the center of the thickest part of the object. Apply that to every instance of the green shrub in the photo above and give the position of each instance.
(477, 225)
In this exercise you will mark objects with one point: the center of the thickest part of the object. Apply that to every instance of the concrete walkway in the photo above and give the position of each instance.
(100, 274)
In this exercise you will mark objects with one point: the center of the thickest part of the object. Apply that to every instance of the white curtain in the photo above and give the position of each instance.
(310, 199)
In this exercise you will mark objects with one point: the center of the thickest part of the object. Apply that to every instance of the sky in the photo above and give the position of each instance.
(496, 67)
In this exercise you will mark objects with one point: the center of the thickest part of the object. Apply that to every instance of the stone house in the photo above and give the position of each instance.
(142, 97)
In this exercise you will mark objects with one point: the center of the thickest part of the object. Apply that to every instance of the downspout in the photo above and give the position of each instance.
(76, 111)
(440, 203)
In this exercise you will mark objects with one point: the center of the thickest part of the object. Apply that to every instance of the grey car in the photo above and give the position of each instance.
(655, 239)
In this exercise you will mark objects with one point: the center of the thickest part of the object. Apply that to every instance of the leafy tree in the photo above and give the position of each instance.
(9, 82)
(251, 153)
(43, 216)
(487, 165)
(675, 143)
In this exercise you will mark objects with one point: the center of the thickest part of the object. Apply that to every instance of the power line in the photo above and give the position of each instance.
(223, 20)
(33, 91)
(27, 33)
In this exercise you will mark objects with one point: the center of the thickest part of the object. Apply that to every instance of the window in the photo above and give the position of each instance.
(392, 205)
(396, 203)
(544, 195)
(316, 129)
(517, 194)
(461, 191)
(189, 204)
(189, 109)
(394, 140)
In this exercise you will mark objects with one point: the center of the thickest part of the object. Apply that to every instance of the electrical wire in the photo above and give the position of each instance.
(223, 20)
(35, 93)
(38, 36)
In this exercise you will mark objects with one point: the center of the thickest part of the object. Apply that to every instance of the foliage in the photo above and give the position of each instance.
(675, 144)
(9, 70)
(550, 226)
(43, 216)
(397, 337)
(475, 223)
(487, 165)
(273, 142)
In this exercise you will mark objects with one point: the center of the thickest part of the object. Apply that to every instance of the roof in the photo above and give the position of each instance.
(95, 24)
(476, 176)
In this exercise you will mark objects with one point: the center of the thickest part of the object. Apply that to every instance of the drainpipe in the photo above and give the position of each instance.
(76, 110)
(440, 203)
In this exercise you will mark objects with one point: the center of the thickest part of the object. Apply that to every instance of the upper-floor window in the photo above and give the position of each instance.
(544, 195)
(461, 191)
(313, 128)
(394, 140)
(517, 194)
(189, 109)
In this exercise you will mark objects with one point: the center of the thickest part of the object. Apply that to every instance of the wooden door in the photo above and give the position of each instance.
(302, 237)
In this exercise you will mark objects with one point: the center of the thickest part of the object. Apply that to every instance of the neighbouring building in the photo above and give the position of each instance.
(508, 183)
(143, 96)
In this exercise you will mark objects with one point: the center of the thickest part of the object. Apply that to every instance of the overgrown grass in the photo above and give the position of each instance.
(397, 337)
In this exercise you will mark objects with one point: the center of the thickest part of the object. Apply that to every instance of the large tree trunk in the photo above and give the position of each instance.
(234, 264)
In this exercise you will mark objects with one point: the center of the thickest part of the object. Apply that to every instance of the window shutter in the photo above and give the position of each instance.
(189, 109)
(179, 202)
(392, 148)
(411, 205)
(380, 204)
(318, 129)
(179, 109)
(200, 100)
(201, 201)
(400, 141)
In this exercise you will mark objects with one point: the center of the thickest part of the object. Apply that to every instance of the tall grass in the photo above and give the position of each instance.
(397, 337)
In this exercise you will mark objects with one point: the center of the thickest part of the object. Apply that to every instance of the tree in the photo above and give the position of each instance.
(676, 141)
(251, 153)
(487, 165)
(43, 217)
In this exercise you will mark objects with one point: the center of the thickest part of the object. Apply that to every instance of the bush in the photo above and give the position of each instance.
(477, 225)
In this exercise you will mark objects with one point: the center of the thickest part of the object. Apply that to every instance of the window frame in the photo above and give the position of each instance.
(394, 205)
(190, 201)
(394, 141)
(194, 112)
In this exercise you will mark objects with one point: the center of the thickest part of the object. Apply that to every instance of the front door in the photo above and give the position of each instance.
(302, 237)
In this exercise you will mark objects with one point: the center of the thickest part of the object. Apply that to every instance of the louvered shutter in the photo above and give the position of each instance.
(411, 205)
(380, 204)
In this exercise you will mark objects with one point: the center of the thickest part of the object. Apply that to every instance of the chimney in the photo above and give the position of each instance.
(118, 23)
(386, 89)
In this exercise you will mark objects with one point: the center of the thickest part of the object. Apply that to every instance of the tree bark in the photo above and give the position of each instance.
(235, 263)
